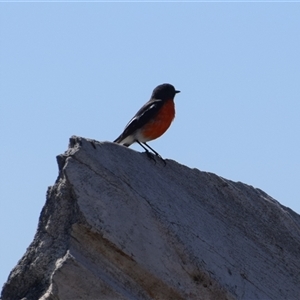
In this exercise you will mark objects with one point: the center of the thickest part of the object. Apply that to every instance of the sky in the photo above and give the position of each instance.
(86, 68)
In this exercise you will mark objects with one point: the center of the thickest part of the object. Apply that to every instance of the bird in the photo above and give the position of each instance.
(152, 120)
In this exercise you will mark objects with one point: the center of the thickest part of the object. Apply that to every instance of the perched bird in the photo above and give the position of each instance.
(152, 120)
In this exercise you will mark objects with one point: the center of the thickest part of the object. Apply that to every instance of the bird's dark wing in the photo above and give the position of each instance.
(146, 113)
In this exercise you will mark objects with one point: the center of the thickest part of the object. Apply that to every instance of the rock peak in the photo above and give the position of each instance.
(117, 225)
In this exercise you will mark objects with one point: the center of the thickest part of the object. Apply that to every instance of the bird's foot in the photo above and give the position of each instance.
(162, 160)
(152, 157)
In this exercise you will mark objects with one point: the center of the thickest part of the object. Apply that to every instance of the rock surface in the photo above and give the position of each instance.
(117, 225)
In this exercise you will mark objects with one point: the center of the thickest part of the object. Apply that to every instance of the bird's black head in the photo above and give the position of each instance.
(164, 91)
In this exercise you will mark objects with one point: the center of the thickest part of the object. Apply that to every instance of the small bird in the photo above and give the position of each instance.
(152, 120)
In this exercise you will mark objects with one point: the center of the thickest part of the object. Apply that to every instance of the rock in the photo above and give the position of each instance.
(118, 225)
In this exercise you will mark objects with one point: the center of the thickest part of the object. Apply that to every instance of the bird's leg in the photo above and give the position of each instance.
(154, 152)
(149, 154)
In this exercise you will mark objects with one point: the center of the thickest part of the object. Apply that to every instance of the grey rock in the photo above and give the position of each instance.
(118, 225)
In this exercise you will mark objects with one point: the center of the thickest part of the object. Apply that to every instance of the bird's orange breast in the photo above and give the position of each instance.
(161, 122)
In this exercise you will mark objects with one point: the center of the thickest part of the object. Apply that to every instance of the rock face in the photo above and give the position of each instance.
(118, 225)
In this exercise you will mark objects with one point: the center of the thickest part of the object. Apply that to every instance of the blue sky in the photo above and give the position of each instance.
(86, 68)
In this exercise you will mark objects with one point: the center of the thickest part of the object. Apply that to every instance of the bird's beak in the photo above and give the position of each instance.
(176, 92)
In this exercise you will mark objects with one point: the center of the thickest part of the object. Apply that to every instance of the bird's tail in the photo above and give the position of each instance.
(120, 140)
(117, 140)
